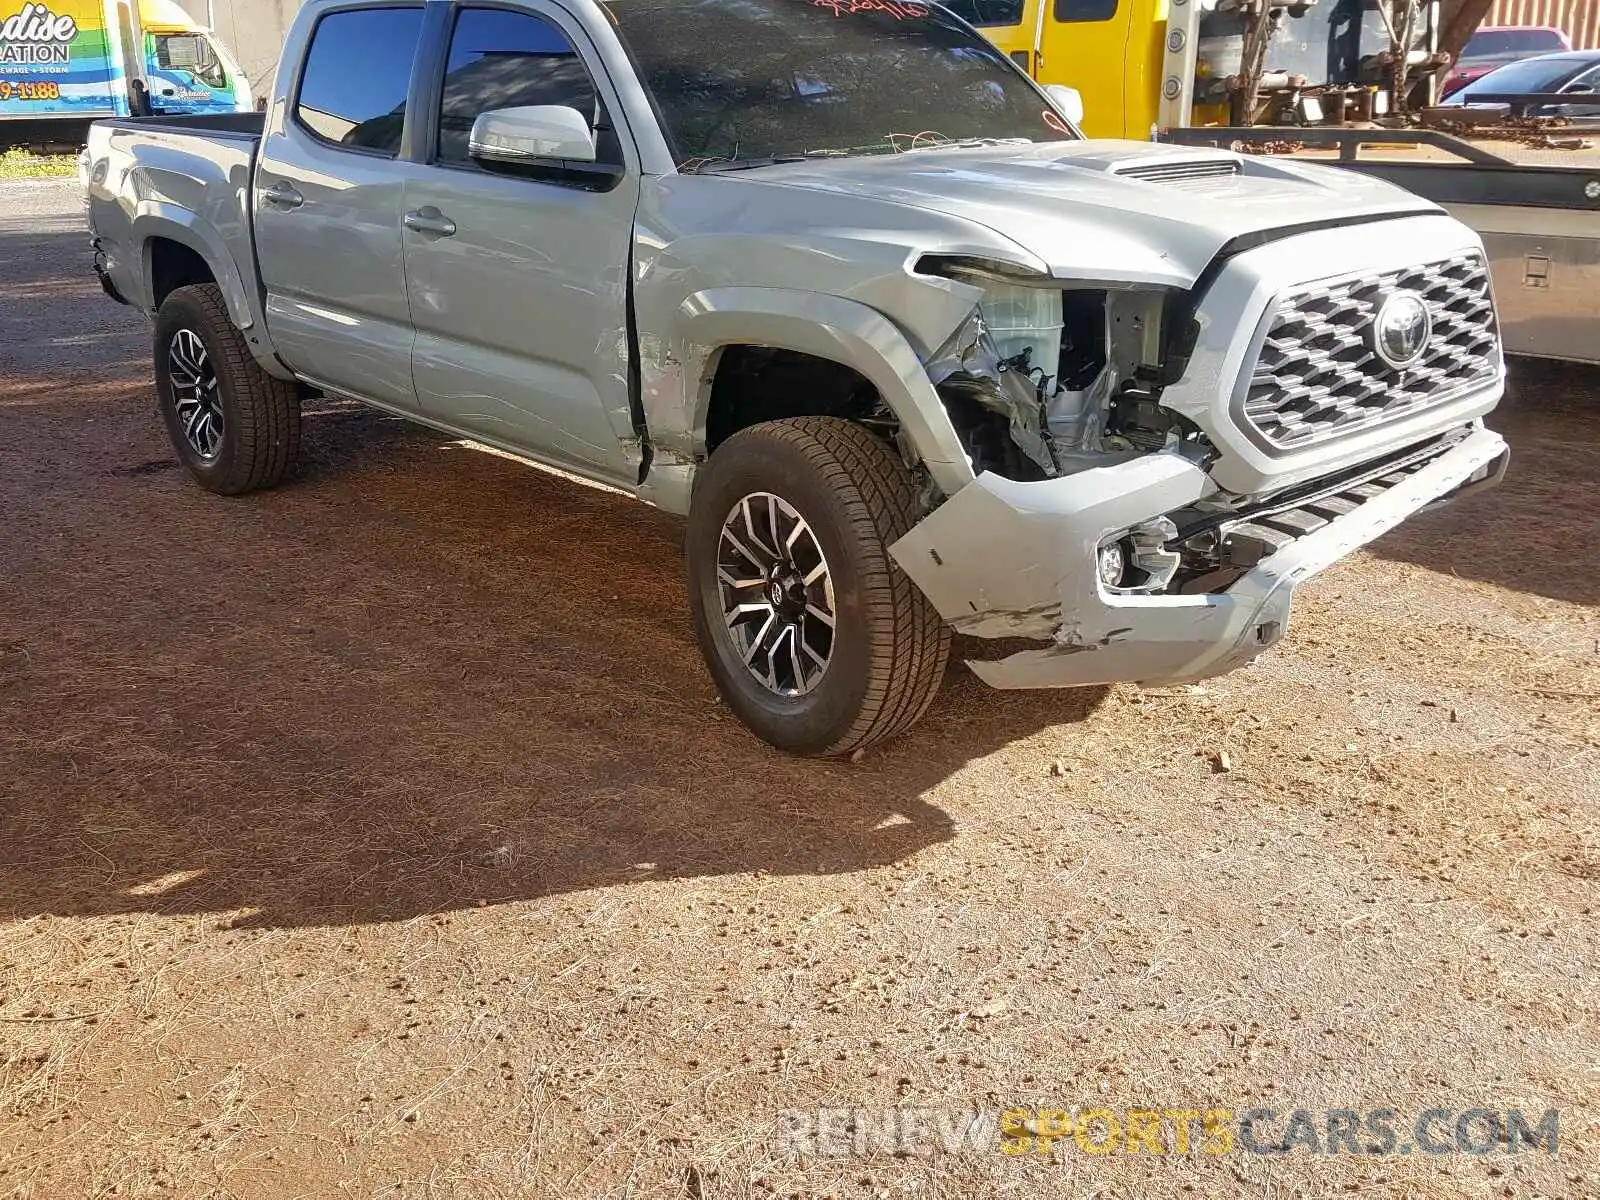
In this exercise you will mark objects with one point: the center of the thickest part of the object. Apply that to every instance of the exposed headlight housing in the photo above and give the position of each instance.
(1006, 354)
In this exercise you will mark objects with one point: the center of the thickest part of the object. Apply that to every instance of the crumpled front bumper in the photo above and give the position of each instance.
(1008, 559)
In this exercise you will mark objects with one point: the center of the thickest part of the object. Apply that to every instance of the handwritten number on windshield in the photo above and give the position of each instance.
(898, 9)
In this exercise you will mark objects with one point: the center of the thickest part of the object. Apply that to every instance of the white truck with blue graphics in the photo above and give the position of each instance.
(64, 63)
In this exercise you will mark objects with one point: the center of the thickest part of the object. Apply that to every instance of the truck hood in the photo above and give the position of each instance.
(1110, 211)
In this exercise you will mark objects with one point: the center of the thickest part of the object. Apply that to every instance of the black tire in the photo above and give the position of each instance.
(260, 415)
(888, 644)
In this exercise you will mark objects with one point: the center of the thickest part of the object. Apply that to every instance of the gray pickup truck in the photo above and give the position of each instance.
(836, 281)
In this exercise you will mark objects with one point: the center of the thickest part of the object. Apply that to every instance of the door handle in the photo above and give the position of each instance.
(284, 195)
(429, 219)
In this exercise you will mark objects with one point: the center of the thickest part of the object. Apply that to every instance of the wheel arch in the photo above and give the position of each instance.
(167, 231)
(722, 325)
(750, 384)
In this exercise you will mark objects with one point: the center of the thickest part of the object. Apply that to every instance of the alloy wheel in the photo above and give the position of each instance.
(196, 394)
(776, 594)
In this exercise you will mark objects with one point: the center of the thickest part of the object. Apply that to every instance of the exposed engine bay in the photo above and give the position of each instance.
(1042, 382)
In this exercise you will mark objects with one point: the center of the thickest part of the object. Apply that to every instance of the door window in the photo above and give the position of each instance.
(1085, 10)
(357, 72)
(1589, 81)
(503, 59)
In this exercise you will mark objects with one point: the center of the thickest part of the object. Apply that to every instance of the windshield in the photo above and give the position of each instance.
(1487, 43)
(750, 80)
(1529, 75)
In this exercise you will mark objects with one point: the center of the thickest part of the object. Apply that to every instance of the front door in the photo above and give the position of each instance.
(329, 194)
(186, 75)
(518, 282)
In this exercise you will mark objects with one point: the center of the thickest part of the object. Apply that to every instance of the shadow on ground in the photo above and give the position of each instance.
(417, 678)
(1535, 533)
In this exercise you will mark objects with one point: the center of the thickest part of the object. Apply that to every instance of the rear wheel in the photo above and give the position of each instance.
(234, 426)
(815, 638)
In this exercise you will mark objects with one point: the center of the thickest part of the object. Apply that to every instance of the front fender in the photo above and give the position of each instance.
(829, 327)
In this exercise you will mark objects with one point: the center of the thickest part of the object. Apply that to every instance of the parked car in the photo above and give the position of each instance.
(1493, 46)
(840, 284)
(1576, 72)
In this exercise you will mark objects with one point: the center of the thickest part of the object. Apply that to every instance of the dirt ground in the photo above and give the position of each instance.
(382, 836)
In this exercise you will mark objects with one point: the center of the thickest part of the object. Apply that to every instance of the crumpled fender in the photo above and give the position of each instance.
(829, 327)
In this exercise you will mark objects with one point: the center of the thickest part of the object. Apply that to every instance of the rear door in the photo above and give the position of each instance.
(520, 309)
(328, 198)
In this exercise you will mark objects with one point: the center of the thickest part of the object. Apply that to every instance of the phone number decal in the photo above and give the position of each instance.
(29, 91)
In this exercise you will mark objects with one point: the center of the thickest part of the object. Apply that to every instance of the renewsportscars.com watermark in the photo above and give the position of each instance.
(861, 1132)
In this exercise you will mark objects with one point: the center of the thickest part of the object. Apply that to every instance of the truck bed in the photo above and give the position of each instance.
(250, 123)
(182, 179)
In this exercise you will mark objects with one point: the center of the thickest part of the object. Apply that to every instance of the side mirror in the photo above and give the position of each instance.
(1578, 89)
(525, 135)
(1068, 99)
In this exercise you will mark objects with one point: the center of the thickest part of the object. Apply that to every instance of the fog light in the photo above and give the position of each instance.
(1112, 564)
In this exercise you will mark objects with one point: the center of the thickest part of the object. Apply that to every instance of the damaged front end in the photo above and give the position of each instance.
(1044, 381)
(1095, 529)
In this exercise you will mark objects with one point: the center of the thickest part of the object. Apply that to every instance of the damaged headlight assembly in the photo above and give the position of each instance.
(996, 367)
(971, 364)
(1044, 379)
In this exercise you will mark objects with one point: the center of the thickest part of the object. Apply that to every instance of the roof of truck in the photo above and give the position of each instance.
(166, 14)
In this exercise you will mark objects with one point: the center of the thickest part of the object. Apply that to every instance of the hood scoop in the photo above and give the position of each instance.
(1181, 170)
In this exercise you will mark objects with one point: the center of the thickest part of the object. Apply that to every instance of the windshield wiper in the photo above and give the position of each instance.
(714, 166)
(710, 166)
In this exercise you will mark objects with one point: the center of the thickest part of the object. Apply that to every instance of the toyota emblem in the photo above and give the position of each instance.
(1401, 330)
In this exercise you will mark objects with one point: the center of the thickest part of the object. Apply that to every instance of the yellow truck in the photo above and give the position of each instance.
(1146, 64)
(1110, 50)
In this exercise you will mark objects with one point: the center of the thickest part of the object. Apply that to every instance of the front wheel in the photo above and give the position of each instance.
(816, 640)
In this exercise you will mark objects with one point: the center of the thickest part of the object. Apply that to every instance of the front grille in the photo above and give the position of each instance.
(1318, 376)
(1183, 169)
